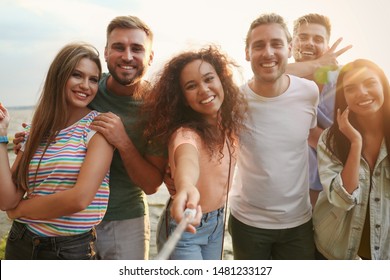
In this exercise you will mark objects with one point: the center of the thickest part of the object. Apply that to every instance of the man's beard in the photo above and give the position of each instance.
(130, 80)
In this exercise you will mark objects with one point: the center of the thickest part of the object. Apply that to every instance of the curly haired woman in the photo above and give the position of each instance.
(197, 110)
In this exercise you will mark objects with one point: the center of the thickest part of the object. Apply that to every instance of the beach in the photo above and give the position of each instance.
(156, 201)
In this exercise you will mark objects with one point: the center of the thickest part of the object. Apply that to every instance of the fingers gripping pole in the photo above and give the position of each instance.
(169, 246)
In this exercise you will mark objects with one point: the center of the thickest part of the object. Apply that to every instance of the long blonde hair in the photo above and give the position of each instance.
(51, 114)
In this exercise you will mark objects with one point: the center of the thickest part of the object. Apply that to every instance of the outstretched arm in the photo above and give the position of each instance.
(145, 172)
(186, 176)
(94, 168)
(306, 69)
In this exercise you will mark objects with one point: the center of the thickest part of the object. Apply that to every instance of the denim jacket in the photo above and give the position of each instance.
(339, 217)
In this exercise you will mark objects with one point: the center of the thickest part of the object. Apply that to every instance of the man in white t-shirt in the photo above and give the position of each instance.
(270, 207)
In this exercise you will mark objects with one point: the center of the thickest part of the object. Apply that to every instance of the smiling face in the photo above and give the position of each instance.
(363, 91)
(268, 51)
(310, 42)
(128, 54)
(202, 89)
(82, 85)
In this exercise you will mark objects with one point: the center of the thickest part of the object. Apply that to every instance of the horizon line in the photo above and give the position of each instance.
(21, 107)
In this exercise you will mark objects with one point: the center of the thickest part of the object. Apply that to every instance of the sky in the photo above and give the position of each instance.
(33, 31)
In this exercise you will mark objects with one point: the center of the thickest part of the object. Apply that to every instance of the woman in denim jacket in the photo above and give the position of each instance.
(351, 217)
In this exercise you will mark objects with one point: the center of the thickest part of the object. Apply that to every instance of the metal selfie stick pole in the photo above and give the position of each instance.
(169, 246)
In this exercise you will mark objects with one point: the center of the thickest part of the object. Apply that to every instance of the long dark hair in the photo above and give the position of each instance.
(167, 110)
(336, 141)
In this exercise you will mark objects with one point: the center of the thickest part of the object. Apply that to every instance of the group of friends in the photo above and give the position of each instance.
(298, 154)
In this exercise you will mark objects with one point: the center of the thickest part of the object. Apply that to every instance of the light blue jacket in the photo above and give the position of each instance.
(339, 217)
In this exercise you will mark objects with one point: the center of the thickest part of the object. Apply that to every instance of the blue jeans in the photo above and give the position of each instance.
(22, 244)
(206, 244)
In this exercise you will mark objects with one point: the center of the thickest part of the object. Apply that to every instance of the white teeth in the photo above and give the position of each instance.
(365, 102)
(81, 94)
(307, 52)
(208, 100)
(127, 67)
(268, 65)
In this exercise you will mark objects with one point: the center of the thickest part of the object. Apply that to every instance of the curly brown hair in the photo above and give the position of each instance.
(166, 107)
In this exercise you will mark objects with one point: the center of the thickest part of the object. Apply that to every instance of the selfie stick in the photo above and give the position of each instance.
(169, 246)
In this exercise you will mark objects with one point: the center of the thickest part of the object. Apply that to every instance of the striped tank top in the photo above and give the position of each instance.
(57, 172)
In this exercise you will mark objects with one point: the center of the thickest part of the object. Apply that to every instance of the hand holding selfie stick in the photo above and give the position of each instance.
(169, 246)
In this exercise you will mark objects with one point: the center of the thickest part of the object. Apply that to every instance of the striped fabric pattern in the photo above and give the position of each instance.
(58, 171)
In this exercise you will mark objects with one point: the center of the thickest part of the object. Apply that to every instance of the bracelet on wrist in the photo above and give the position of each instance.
(4, 139)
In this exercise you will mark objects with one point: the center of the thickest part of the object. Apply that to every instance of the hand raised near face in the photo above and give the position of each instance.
(346, 127)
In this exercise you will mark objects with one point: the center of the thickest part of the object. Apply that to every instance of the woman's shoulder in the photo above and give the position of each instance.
(324, 134)
(187, 133)
(92, 114)
(88, 118)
